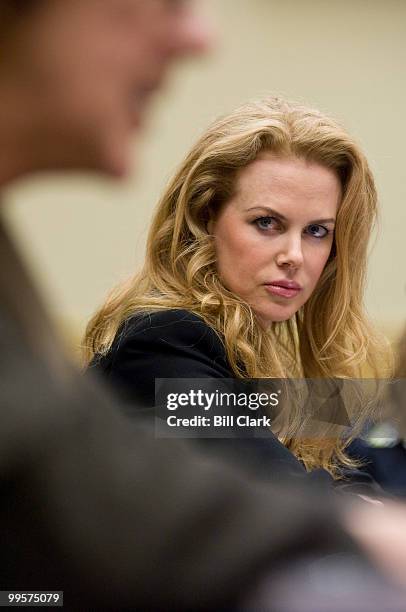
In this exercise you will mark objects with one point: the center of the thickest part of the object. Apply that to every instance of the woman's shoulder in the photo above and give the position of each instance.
(182, 326)
(162, 344)
(173, 338)
(153, 321)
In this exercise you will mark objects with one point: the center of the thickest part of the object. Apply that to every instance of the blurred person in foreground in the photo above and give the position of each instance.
(90, 503)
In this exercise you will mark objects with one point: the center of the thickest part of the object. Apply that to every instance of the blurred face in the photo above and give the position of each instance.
(274, 237)
(87, 69)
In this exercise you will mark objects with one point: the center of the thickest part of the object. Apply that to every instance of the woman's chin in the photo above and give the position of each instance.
(277, 315)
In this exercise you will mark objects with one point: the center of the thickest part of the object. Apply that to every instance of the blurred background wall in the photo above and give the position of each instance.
(81, 234)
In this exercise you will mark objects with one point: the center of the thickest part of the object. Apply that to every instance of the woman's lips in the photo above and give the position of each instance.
(285, 289)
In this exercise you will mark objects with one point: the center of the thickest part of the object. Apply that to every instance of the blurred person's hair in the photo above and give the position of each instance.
(330, 335)
(12, 12)
(15, 8)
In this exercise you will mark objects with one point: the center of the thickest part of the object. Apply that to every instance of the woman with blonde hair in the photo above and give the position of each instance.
(255, 266)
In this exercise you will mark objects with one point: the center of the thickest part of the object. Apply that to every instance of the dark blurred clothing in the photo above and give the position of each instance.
(93, 505)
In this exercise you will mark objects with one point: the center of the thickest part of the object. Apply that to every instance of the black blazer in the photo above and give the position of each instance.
(179, 344)
(163, 344)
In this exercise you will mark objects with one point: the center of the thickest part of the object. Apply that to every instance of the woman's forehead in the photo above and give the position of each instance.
(285, 179)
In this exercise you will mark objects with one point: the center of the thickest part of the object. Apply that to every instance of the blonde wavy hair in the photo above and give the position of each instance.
(330, 335)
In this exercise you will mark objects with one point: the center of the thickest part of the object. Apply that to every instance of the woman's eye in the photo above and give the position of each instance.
(266, 223)
(318, 231)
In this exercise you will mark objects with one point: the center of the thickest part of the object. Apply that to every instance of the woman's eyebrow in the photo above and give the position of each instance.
(316, 221)
(270, 211)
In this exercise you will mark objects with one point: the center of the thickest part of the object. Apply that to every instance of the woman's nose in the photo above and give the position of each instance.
(290, 254)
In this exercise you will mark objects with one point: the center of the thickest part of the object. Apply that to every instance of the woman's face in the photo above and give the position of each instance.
(274, 236)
